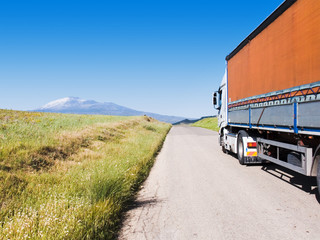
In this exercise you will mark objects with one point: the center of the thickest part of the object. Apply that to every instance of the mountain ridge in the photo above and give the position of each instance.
(75, 105)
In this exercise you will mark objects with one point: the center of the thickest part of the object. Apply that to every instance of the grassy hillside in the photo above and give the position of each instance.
(209, 123)
(70, 176)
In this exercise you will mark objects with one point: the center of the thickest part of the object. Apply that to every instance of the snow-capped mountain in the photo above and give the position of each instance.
(64, 102)
(80, 106)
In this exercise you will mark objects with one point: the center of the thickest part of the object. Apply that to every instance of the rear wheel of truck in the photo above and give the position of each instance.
(240, 147)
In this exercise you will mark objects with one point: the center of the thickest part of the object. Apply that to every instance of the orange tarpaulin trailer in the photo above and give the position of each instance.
(284, 53)
(269, 100)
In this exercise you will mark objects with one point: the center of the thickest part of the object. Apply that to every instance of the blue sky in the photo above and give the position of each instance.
(159, 56)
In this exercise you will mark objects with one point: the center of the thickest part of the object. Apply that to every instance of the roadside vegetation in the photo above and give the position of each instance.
(209, 123)
(71, 176)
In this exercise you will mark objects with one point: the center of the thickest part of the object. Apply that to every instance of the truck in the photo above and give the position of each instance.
(269, 99)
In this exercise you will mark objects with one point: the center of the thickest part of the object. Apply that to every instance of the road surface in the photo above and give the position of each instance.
(195, 191)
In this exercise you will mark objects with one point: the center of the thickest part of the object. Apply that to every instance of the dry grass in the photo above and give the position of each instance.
(70, 176)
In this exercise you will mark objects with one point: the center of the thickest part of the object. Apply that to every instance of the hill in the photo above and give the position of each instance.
(76, 105)
(208, 122)
(67, 176)
(191, 121)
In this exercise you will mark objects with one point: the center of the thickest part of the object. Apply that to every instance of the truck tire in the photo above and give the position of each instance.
(318, 174)
(240, 147)
(224, 150)
(222, 144)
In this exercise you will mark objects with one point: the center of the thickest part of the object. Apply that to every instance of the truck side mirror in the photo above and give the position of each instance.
(216, 102)
(215, 99)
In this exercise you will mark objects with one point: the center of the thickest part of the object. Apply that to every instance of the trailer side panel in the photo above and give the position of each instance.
(284, 55)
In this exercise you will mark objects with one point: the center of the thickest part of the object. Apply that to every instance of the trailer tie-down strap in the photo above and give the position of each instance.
(260, 116)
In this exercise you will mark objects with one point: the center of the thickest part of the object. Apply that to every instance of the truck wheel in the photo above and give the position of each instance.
(222, 145)
(318, 174)
(224, 150)
(240, 147)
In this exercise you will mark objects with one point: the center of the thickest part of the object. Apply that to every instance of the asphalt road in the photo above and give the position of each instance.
(195, 191)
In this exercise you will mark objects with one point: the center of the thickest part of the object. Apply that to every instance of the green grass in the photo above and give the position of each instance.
(209, 123)
(71, 176)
